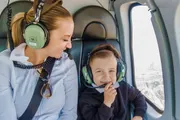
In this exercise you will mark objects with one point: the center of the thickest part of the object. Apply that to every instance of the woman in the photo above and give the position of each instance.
(17, 85)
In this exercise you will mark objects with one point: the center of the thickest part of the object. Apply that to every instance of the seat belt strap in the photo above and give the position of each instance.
(37, 97)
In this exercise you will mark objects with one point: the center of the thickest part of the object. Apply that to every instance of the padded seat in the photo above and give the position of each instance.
(17, 6)
(76, 52)
(3, 41)
(94, 25)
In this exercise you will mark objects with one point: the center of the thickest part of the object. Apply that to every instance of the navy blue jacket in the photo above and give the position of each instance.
(91, 105)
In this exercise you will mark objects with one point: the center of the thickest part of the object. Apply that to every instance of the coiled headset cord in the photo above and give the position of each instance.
(9, 18)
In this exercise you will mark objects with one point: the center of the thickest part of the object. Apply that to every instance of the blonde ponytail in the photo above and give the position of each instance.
(16, 24)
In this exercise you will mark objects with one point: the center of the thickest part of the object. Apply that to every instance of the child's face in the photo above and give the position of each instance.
(104, 70)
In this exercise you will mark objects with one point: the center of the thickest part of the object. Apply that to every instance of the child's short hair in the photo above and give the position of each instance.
(103, 51)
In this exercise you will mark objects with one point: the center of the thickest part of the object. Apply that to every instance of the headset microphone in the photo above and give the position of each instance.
(89, 86)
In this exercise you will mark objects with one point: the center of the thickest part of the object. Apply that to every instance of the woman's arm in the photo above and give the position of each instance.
(7, 108)
(69, 111)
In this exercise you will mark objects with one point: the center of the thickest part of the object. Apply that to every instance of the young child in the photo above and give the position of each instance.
(112, 101)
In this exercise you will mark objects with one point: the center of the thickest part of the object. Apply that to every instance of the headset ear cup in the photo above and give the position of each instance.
(86, 75)
(35, 35)
(120, 71)
(90, 72)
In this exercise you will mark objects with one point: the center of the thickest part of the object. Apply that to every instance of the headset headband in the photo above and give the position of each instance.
(38, 10)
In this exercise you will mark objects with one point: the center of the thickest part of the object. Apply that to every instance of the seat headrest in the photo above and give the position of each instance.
(94, 22)
(17, 6)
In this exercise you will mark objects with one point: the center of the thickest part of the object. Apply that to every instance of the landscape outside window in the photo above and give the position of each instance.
(147, 63)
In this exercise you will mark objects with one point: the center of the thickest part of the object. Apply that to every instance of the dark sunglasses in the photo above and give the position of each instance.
(46, 90)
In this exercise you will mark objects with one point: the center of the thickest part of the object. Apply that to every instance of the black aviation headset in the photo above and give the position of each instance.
(121, 69)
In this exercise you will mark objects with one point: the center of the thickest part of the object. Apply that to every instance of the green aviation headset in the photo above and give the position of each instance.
(35, 33)
(121, 69)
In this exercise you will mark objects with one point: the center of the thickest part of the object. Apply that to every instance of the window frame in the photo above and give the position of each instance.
(132, 58)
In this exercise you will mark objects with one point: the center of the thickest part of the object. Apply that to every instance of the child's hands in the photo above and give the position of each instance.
(109, 94)
(137, 118)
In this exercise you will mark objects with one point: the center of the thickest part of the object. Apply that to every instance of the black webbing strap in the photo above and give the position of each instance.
(37, 97)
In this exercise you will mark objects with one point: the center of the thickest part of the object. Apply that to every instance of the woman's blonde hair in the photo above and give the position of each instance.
(50, 14)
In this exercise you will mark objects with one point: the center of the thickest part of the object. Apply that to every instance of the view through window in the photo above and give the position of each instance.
(147, 63)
